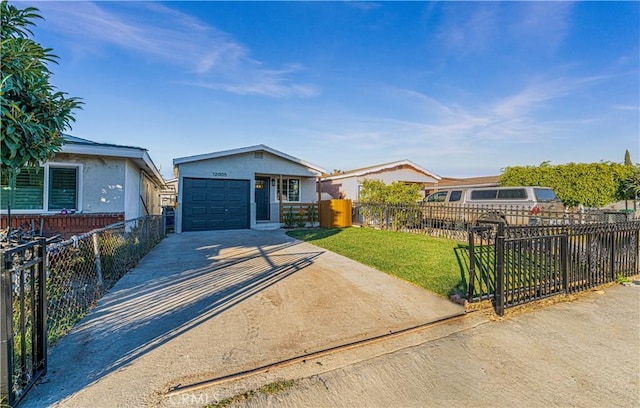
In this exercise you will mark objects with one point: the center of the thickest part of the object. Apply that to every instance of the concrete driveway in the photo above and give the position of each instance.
(210, 304)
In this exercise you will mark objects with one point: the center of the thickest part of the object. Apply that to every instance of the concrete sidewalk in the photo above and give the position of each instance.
(209, 304)
(584, 353)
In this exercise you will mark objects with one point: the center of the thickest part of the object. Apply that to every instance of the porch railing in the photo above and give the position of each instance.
(298, 214)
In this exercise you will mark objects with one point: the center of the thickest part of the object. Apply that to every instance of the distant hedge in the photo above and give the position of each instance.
(588, 184)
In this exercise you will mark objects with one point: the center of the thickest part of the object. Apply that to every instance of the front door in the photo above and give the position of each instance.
(262, 199)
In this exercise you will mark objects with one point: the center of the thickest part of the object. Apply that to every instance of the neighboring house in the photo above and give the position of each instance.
(240, 188)
(169, 193)
(468, 182)
(96, 182)
(347, 184)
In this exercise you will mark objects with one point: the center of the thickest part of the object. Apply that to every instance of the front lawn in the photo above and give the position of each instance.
(431, 263)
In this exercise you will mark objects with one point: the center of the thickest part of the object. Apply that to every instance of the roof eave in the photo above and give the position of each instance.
(249, 149)
(139, 156)
(378, 168)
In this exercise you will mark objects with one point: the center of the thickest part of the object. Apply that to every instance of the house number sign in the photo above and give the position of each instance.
(219, 174)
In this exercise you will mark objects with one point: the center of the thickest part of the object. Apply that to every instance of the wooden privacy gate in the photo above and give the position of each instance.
(512, 265)
(23, 319)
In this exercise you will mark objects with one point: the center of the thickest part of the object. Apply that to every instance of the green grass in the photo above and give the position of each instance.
(431, 263)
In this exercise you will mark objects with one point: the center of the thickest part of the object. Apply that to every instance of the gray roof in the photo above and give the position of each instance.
(68, 139)
(139, 155)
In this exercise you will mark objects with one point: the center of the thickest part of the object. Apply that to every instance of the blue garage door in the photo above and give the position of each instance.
(214, 204)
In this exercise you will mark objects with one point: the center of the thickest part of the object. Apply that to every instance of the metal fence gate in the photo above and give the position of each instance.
(23, 319)
(512, 265)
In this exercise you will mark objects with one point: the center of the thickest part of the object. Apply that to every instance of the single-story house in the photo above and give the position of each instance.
(87, 184)
(241, 188)
(347, 184)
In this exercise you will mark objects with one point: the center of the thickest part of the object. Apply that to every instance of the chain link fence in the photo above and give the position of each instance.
(80, 270)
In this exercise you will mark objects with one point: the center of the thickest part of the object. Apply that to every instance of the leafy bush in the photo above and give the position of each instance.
(289, 218)
(301, 219)
(312, 215)
(588, 184)
(377, 192)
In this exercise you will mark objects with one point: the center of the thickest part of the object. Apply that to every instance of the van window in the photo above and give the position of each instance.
(437, 197)
(455, 195)
(484, 194)
(512, 194)
(545, 194)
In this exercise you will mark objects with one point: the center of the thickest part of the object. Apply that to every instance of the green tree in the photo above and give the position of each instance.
(372, 191)
(34, 114)
(390, 205)
(630, 187)
(402, 193)
(627, 158)
(377, 192)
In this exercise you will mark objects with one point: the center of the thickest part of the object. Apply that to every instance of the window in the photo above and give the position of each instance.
(484, 194)
(29, 191)
(63, 191)
(512, 194)
(438, 197)
(455, 195)
(50, 188)
(545, 194)
(290, 189)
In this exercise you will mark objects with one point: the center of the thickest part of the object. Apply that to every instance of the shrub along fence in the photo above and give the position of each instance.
(513, 265)
(39, 308)
(299, 214)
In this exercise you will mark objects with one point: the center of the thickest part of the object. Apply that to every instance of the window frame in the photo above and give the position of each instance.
(285, 192)
(45, 194)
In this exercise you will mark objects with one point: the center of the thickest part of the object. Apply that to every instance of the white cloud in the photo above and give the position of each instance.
(476, 27)
(627, 108)
(214, 58)
(469, 29)
(538, 93)
(541, 25)
(439, 128)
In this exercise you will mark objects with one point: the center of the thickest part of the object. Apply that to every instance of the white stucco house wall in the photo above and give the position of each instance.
(346, 184)
(240, 188)
(86, 177)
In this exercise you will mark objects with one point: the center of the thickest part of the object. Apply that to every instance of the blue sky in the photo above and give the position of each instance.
(460, 88)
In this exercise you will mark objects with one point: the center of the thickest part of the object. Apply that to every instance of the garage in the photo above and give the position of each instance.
(215, 204)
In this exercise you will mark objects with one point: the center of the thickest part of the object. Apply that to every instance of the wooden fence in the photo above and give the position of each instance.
(332, 214)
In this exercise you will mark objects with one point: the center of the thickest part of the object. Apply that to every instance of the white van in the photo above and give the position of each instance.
(515, 205)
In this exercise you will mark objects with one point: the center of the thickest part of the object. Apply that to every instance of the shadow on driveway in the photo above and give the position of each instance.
(210, 303)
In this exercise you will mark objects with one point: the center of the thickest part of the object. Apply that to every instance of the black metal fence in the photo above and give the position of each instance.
(456, 220)
(514, 264)
(23, 325)
(46, 289)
